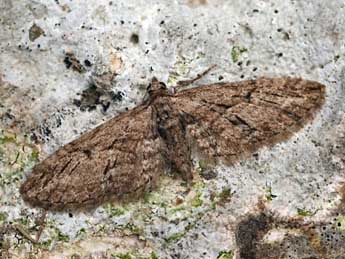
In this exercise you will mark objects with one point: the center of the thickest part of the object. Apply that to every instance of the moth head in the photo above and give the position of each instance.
(155, 85)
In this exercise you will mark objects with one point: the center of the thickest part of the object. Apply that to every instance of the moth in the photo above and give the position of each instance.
(218, 123)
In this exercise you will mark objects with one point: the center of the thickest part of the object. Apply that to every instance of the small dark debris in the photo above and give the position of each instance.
(71, 61)
(89, 98)
(87, 63)
(9, 115)
(33, 136)
(220, 78)
(134, 38)
(77, 102)
(35, 32)
(95, 96)
(46, 131)
(118, 96)
(286, 36)
(208, 174)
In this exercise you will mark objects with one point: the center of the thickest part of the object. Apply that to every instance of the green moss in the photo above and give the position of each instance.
(172, 79)
(45, 244)
(153, 255)
(131, 256)
(177, 209)
(202, 166)
(147, 196)
(62, 237)
(197, 201)
(134, 229)
(224, 195)
(269, 195)
(305, 213)
(225, 255)
(199, 185)
(81, 233)
(24, 221)
(124, 256)
(11, 177)
(16, 154)
(34, 155)
(236, 52)
(154, 198)
(175, 237)
(113, 211)
(8, 139)
(3, 217)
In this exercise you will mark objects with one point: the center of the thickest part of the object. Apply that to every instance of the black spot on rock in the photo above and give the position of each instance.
(71, 61)
(118, 96)
(95, 96)
(87, 63)
(134, 38)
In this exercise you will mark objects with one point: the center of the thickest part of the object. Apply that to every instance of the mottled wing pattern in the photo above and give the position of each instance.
(121, 156)
(227, 121)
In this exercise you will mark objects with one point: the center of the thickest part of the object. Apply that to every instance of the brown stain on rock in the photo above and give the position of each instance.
(194, 3)
(251, 231)
(35, 32)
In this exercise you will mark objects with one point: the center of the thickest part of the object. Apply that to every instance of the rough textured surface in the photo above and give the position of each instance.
(221, 122)
(67, 66)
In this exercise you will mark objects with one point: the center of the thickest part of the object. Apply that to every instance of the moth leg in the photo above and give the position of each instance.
(4, 244)
(198, 76)
(41, 222)
(24, 232)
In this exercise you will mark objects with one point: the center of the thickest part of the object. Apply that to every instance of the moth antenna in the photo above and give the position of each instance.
(198, 76)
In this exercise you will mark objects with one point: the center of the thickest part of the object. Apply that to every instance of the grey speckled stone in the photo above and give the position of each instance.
(286, 202)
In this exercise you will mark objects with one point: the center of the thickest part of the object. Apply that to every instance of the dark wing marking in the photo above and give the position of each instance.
(121, 156)
(228, 121)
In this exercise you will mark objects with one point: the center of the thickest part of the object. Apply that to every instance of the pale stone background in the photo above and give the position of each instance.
(121, 45)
